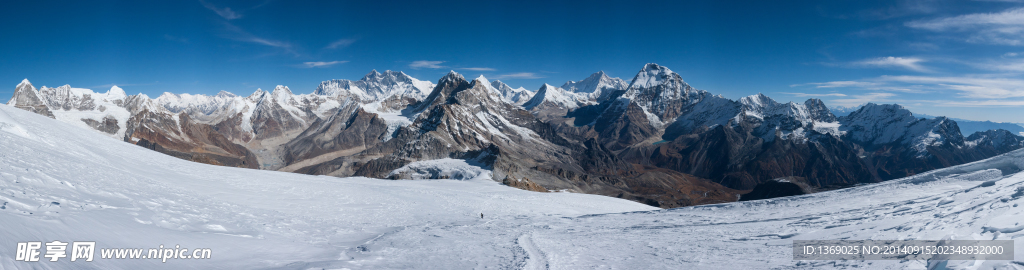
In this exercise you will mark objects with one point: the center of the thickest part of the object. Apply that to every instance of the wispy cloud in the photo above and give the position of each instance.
(968, 87)
(478, 69)
(983, 103)
(236, 33)
(175, 39)
(972, 87)
(321, 64)
(1004, 28)
(225, 13)
(856, 100)
(814, 94)
(341, 43)
(910, 63)
(1007, 63)
(520, 75)
(426, 64)
(837, 84)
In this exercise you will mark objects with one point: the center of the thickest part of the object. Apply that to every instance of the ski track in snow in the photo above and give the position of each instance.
(60, 182)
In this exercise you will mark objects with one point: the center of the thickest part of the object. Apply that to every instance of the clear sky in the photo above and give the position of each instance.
(961, 59)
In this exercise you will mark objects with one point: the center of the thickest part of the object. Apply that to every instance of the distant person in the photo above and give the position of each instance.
(481, 215)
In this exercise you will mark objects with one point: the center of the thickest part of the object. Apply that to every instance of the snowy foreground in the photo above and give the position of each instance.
(60, 182)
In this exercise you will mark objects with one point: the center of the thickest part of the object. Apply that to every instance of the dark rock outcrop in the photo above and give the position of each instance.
(773, 189)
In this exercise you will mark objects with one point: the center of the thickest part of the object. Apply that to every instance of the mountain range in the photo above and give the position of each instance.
(654, 139)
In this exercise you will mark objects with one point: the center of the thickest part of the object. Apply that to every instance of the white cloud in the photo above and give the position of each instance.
(341, 43)
(1006, 63)
(322, 64)
(814, 95)
(426, 64)
(236, 33)
(856, 100)
(969, 87)
(910, 63)
(983, 103)
(1004, 28)
(838, 84)
(479, 69)
(225, 13)
(520, 75)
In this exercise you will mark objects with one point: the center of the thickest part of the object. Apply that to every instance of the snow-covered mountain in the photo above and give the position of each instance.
(598, 87)
(123, 196)
(517, 96)
(889, 123)
(26, 97)
(656, 140)
(554, 97)
(390, 91)
(662, 121)
(970, 127)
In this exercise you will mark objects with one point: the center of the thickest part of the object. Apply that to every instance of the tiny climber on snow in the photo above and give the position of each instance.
(481, 215)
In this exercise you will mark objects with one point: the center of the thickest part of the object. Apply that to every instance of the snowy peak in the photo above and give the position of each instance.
(875, 124)
(225, 94)
(758, 101)
(257, 95)
(27, 98)
(447, 86)
(817, 110)
(372, 76)
(597, 87)
(25, 82)
(870, 112)
(376, 87)
(555, 96)
(116, 93)
(282, 93)
(452, 76)
(483, 80)
(996, 138)
(660, 92)
(652, 75)
(517, 96)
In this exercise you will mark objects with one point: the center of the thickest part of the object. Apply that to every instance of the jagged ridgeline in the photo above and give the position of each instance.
(654, 139)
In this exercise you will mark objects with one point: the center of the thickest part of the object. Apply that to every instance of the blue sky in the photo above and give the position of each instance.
(961, 59)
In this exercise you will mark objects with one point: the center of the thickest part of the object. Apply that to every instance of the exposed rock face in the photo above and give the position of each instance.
(276, 113)
(351, 128)
(182, 137)
(27, 98)
(524, 184)
(66, 98)
(109, 124)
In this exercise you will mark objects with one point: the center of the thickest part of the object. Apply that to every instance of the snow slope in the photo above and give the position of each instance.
(121, 195)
